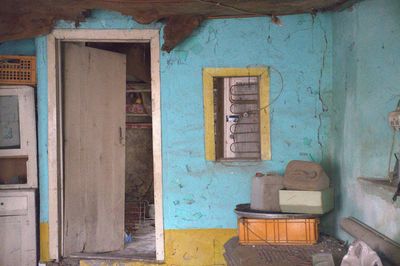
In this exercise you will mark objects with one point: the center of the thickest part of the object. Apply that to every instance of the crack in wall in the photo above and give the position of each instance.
(321, 100)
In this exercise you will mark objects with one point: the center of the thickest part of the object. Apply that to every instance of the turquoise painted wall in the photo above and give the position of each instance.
(340, 80)
(366, 86)
(42, 126)
(201, 194)
(21, 47)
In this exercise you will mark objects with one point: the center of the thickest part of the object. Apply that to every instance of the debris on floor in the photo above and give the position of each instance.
(360, 254)
(387, 249)
(282, 255)
(323, 259)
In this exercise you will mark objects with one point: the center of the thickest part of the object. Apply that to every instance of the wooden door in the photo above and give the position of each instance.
(94, 153)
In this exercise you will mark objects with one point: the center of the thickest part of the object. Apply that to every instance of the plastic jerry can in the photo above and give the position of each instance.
(265, 192)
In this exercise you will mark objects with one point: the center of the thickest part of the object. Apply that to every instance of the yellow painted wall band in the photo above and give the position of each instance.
(264, 117)
(44, 242)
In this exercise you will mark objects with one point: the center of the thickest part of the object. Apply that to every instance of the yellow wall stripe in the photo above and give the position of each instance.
(44, 242)
(264, 117)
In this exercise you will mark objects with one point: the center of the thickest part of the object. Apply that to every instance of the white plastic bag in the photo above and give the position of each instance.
(360, 254)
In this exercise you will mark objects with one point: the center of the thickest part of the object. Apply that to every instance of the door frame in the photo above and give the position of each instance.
(55, 152)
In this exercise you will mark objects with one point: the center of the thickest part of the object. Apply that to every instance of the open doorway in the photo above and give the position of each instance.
(108, 199)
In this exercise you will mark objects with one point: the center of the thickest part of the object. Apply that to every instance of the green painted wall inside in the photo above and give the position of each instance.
(20, 47)
(366, 86)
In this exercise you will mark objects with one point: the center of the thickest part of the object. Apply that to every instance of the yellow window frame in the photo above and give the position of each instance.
(208, 96)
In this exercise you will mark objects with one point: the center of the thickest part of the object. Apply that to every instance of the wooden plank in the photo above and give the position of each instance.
(157, 153)
(94, 128)
(53, 152)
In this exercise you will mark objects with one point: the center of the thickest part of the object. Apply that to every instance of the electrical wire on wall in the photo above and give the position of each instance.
(280, 91)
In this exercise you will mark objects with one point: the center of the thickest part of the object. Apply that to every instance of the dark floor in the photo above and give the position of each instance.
(282, 255)
(142, 248)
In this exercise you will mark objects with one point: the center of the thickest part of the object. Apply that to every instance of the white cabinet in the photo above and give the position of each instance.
(17, 227)
(18, 176)
(18, 164)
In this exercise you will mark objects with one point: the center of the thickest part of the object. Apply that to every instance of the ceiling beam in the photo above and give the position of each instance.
(21, 19)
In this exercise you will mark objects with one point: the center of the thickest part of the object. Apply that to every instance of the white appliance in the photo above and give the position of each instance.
(18, 176)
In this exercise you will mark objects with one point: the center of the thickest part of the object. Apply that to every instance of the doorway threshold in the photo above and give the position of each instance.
(113, 256)
(142, 248)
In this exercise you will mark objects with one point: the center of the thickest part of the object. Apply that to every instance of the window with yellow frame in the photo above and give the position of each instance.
(237, 126)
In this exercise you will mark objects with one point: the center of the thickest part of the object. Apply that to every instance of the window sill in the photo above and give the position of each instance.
(238, 160)
(379, 187)
(379, 183)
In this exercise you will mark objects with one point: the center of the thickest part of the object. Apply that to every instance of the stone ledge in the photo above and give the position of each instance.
(382, 183)
(379, 187)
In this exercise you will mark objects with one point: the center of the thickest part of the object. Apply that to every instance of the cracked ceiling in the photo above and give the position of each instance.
(26, 18)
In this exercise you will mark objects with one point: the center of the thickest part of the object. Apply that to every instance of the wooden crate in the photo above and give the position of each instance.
(278, 231)
(17, 70)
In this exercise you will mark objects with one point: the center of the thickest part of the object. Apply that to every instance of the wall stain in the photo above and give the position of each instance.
(307, 141)
(189, 201)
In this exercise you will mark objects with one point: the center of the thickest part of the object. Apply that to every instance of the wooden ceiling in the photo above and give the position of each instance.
(28, 18)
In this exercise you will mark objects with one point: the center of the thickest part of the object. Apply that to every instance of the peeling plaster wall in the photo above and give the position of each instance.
(202, 194)
(366, 67)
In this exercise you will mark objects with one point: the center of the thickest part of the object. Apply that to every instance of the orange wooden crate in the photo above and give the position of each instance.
(278, 231)
(20, 70)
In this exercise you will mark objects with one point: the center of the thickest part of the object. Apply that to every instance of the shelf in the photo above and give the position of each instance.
(379, 183)
(137, 87)
(138, 90)
(138, 125)
(138, 115)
